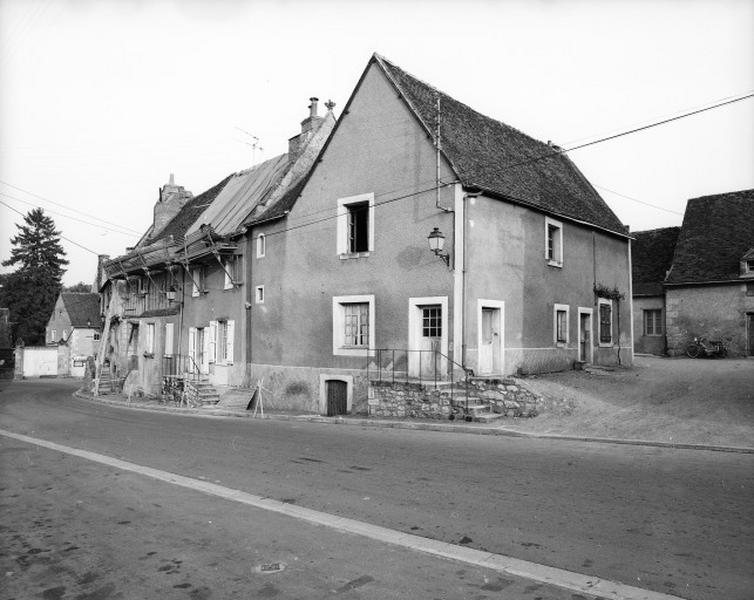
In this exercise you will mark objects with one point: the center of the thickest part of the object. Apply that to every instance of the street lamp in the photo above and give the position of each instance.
(436, 240)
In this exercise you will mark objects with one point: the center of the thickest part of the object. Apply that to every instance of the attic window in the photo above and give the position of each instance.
(750, 266)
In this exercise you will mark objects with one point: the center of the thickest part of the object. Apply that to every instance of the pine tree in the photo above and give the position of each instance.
(31, 290)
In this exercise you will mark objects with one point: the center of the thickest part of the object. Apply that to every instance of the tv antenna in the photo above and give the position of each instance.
(254, 143)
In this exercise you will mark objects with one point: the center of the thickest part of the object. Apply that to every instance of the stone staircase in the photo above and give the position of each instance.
(201, 392)
(107, 384)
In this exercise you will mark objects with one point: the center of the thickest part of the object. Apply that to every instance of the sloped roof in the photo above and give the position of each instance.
(179, 224)
(651, 257)
(716, 232)
(83, 309)
(242, 192)
(500, 159)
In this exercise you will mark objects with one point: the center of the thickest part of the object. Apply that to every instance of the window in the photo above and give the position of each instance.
(553, 242)
(560, 324)
(355, 225)
(750, 266)
(432, 321)
(53, 335)
(96, 336)
(356, 324)
(353, 325)
(653, 322)
(149, 342)
(168, 339)
(232, 268)
(606, 321)
(259, 294)
(750, 288)
(197, 281)
(261, 245)
(65, 334)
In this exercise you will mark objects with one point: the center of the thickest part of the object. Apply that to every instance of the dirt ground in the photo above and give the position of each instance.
(681, 400)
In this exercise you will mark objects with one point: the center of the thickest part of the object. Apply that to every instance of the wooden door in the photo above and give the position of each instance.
(750, 333)
(337, 397)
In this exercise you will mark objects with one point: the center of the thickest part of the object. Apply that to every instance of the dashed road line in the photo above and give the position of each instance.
(569, 580)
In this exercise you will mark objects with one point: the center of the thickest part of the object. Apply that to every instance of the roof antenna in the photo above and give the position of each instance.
(254, 144)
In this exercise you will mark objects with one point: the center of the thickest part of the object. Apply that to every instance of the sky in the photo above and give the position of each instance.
(100, 101)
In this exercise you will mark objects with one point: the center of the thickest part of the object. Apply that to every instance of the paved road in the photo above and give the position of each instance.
(674, 521)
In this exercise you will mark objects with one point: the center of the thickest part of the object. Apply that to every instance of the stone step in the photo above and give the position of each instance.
(487, 417)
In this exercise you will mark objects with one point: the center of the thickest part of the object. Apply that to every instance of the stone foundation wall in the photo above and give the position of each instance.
(400, 400)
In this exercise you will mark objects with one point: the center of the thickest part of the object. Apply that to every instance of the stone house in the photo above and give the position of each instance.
(709, 290)
(529, 272)
(180, 297)
(74, 327)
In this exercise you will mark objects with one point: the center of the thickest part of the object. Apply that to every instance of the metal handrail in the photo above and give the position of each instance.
(378, 353)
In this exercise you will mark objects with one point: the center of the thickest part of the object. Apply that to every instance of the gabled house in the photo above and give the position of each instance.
(651, 258)
(534, 274)
(181, 295)
(74, 327)
(709, 290)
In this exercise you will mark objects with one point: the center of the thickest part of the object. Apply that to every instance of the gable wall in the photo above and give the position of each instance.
(59, 320)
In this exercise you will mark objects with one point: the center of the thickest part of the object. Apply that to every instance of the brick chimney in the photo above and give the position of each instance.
(309, 126)
(171, 200)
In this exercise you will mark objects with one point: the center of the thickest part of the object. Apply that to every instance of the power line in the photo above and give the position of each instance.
(15, 187)
(61, 235)
(675, 212)
(68, 216)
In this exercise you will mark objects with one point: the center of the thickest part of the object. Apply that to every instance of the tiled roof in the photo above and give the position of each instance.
(651, 257)
(501, 160)
(716, 232)
(83, 309)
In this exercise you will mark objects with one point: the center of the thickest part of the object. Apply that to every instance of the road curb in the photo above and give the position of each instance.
(413, 425)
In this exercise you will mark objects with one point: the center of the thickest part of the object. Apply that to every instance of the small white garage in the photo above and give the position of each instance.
(40, 361)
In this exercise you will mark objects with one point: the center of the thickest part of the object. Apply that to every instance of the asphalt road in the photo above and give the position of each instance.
(673, 521)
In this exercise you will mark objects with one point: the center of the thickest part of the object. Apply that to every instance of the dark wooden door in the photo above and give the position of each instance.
(750, 330)
(337, 397)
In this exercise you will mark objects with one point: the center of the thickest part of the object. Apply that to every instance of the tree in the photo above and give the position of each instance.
(78, 288)
(31, 290)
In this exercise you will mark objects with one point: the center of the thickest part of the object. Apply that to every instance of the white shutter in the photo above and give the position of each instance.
(206, 353)
(168, 351)
(192, 348)
(229, 338)
(212, 356)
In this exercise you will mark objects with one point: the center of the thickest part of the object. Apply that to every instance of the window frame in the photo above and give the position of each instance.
(609, 303)
(259, 294)
(167, 349)
(556, 310)
(340, 348)
(261, 245)
(198, 283)
(344, 214)
(656, 320)
(149, 339)
(554, 255)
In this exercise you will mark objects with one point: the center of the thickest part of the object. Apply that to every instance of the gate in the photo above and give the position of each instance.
(40, 361)
(337, 397)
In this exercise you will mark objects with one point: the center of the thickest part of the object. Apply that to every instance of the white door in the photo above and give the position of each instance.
(489, 346)
(40, 362)
(424, 360)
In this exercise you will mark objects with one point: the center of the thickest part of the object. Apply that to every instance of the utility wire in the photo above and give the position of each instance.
(675, 212)
(15, 187)
(61, 235)
(68, 216)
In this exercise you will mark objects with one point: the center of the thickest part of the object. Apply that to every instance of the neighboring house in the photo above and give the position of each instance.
(74, 326)
(178, 301)
(535, 272)
(651, 257)
(710, 288)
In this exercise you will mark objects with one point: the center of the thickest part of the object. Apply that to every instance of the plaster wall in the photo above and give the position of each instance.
(506, 261)
(714, 312)
(213, 304)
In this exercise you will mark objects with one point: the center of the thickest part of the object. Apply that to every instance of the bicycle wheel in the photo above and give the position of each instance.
(692, 350)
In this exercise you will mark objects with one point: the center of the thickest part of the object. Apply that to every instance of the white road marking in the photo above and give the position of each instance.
(569, 580)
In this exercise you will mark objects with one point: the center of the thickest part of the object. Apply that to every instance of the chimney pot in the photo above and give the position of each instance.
(313, 107)
(172, 179)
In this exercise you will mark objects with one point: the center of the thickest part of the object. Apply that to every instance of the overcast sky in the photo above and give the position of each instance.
(101, 100)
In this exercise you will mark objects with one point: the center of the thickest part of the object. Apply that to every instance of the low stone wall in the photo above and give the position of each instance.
(508, 397)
